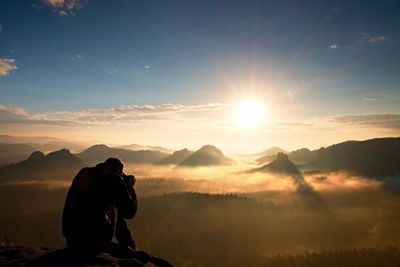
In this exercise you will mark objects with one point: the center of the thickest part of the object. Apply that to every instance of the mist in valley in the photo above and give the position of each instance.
(200, 216)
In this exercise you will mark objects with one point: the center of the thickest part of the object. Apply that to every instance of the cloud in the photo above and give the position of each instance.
(65, 7)
(185, 114)
(131, 114)
(64, 13)
(377, 39)
(383, 120)
(78, 56)
(141, 68)
(1, 28)
(7, 65)
(334, 46)
(74, 4)
(373, 38)
(54, 3)
(139, 113)
(20, 116)
(369, 99)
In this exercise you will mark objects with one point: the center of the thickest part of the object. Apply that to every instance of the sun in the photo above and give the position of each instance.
(250, 114)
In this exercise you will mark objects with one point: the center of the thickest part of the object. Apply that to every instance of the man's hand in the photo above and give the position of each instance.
(129, 180)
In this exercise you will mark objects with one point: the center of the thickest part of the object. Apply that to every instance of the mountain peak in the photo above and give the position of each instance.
(37, 155)
(98, 146)
(176, 157)
(63, 153)
(207, 155)
(57, 164)
(282, 157)
(281, 164)
(211, 148)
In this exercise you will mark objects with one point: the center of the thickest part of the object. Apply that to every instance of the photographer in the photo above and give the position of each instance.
(99, 201)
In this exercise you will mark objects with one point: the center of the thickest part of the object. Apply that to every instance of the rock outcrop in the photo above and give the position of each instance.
(281, 164)
(21, 256)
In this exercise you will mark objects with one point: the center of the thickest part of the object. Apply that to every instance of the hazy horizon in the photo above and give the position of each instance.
(83, 144)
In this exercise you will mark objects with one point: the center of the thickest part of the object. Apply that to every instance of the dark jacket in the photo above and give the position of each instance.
(94, 199)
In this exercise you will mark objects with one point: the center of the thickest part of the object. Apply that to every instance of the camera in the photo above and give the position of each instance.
(129, 180)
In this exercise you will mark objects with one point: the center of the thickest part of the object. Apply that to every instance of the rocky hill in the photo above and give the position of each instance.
(176, 157)
(207, 155)
(281, 164)
(40, 166)
(378, 157)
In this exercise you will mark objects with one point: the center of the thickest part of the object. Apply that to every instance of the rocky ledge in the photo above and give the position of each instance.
(18, 256)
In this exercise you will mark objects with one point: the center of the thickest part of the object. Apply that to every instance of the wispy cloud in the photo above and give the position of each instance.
(138, 113)
(20, 116)
(112, 72)
(384, 120)
(185, 114)
(65, 7)
(54, 3)
(373, 38)
(119, 115)
(141, 68)
(377, 39)
(7, 65)
(369, 99)
(1, 28)
(334, 46)
(78, 56)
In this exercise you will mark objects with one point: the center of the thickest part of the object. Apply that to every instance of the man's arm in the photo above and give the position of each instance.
(125, 198)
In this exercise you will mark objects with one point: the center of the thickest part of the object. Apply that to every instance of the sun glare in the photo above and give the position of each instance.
(250, 114)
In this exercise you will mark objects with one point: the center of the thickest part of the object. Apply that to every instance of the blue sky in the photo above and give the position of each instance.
(307, 60)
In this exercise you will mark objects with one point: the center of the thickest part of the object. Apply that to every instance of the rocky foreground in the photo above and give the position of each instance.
(365, 257)
(17, 256)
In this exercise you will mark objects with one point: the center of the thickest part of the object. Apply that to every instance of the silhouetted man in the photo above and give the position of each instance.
(98, 202)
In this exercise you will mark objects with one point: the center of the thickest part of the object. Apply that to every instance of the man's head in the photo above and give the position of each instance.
(115, 165)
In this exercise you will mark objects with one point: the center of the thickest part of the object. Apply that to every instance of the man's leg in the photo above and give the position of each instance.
(123, 234)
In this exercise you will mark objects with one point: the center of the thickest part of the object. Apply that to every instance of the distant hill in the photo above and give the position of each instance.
(268, 155)
(99, 153)
(136, 147)
(272, 151)
(281, 164)
(207, 155)
(303, 155)
(378, 157)
(12, 153)
(58, 164)
(57, 145)
(176, 158)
